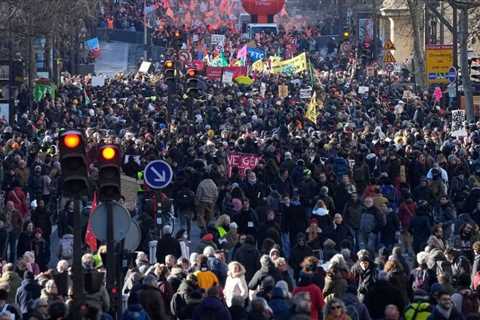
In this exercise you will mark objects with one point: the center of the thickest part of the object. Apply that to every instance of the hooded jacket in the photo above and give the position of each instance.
(236, 285)
(211, 308)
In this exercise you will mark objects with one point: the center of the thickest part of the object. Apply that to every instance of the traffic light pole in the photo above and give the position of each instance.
(77, 274)
(111, 267)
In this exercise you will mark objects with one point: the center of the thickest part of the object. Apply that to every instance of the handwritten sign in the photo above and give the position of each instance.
(242, 161)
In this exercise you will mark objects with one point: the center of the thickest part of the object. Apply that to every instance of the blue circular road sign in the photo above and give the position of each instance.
(158, 174)
(452, 74)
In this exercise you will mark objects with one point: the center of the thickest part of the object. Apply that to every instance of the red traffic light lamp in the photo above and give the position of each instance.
(73, 161)
(109, 168)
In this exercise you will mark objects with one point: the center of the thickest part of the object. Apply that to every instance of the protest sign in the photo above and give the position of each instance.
(242, 161)
(144, 67)
(98, 81)
(458, 123)
(363, 90)
(283, 91)
(217, 39)
(306, 93)
(227, 77)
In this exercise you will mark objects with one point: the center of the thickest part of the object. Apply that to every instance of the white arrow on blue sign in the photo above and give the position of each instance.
(158, 174)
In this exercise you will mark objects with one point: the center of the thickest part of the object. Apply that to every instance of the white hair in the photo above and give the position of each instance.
(208, 251)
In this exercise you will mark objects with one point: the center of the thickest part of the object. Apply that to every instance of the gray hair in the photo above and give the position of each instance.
(333, 301)
(167, 229)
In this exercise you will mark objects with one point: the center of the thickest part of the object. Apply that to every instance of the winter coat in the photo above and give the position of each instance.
(420, 229)
(168, 245)
(207, 192)
(316, 298)
(135, 312)
(298, 254)
(249, 257)
(236, 285)
(152, 301)
(352, 213)
(26, 294)
(261, 274)
(13, 281)
(380, 295)
(211, 308)
(281, 307)
(25, 243)
(438, 315)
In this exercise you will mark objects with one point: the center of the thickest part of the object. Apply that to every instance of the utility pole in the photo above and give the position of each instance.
(466, 81)
(145, 31)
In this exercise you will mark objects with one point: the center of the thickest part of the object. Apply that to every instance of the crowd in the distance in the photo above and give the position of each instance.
(372, 212)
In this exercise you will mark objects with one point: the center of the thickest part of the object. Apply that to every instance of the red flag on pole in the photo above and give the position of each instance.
(90, 239)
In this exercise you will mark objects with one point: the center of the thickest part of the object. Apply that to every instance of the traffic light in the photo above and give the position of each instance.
(73, 161)
(109, 163)
(346, 35)
(475, 69)
(169, 70)
(192, 84)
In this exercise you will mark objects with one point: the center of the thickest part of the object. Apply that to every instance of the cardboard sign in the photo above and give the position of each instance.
(283, 91)
(458, 123)
(227, 77)
(144, 67)
(242, 161)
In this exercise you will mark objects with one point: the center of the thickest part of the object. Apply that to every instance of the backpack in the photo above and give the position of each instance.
(135, 315)
(66, 248)
(417, 311)
(470, 302)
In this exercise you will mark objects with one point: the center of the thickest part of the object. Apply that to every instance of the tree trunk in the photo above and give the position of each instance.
(466, 82)
(417, 10)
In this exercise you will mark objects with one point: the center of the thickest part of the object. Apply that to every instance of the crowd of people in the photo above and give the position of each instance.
(370, 212)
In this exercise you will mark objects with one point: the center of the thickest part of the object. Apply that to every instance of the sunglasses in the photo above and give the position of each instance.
(336, 307)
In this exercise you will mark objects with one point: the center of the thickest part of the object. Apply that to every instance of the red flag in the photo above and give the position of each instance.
(90, 239)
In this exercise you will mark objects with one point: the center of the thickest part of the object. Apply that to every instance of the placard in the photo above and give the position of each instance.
(283, 91)
(4, 112)
(242, 161)
(306, 93)
(217, 39)
(363, 89)
(227, 77)
(98, 81)
(145, 66)
(458, 123)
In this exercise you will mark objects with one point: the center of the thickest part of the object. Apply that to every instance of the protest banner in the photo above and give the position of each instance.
(242, 161)
(290, 66)
(236, 70)
(259, 66)
(363, 89)
(256, 54)
(311, 113)
(458, 123)
(214, 73)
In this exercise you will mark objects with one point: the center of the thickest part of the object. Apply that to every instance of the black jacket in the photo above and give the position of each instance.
(168, 245)
(249, 257)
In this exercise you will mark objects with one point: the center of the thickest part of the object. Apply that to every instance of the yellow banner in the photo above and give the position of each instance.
(259, 66)
(311, 113)
(293, 65)
(439, 59)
